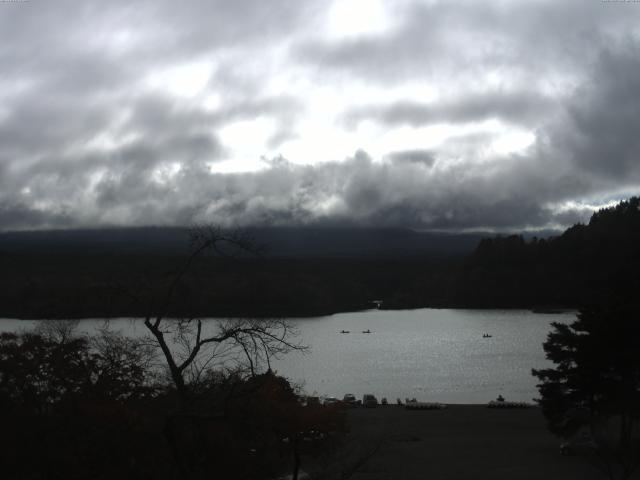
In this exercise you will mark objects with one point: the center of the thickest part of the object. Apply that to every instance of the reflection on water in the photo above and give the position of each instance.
(433, 355)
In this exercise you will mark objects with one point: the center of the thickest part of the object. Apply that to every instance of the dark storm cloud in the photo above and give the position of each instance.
(519, 108)
(593, 148)
(395, 194)
(448, 40)
(23, 216)
(605, 114)
(425, 157)
(56, 162)
(356, 191)
(85, 140)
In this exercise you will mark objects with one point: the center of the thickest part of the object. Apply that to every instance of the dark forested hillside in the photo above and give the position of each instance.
(316, 271)
(277, 242)
(584, 264)
(300, 271)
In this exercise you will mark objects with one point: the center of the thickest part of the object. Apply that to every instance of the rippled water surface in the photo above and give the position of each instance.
(437, 355)
(433, 355)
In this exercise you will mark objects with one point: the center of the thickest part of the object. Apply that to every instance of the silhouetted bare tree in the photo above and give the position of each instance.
(193, 344)
(192, 347)
(58, 330)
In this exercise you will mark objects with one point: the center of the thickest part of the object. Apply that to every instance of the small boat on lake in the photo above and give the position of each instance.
(486, 335)
(366, 331)
(344, 331)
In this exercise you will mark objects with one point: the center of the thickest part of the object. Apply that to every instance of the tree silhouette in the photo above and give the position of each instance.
(194, 349)
(190, 344)
(75, 407)
(596, 382)
(69, 407)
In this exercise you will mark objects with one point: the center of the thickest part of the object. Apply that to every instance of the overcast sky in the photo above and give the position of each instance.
(447, 115)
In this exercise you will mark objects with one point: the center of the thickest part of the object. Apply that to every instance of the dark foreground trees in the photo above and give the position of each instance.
(193, 399)
(84, 408)
(215, 364)
(595, 384)
(70, 407)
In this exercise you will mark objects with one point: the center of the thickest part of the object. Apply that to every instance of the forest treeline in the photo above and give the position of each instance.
(581, 265)
(587, 264)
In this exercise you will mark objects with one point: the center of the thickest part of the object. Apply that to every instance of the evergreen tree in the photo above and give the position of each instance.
(595, 383)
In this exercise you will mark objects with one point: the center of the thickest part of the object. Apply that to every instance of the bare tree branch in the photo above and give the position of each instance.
(259, 340)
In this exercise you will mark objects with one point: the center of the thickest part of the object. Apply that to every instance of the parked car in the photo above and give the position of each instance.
(369, 401)
(350, 400)
(330, 401)
(313, 402)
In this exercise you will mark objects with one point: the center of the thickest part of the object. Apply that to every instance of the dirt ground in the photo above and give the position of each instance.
(461, 442)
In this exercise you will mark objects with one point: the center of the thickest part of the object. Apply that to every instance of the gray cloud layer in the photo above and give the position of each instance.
(516, 108)
(82, 143)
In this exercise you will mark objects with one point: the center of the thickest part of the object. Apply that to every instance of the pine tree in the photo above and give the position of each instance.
(595, 383)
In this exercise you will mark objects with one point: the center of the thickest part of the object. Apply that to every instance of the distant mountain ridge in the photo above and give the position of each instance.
(279, 242)
(318, 271)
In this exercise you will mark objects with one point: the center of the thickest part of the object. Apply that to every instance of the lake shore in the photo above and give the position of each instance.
(461, 442)
(294, 314)
(433, 354)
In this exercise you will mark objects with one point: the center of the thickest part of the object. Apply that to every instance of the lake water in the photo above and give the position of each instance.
(434, 355)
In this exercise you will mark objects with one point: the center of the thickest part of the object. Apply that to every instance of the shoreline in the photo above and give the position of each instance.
(535, 310)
